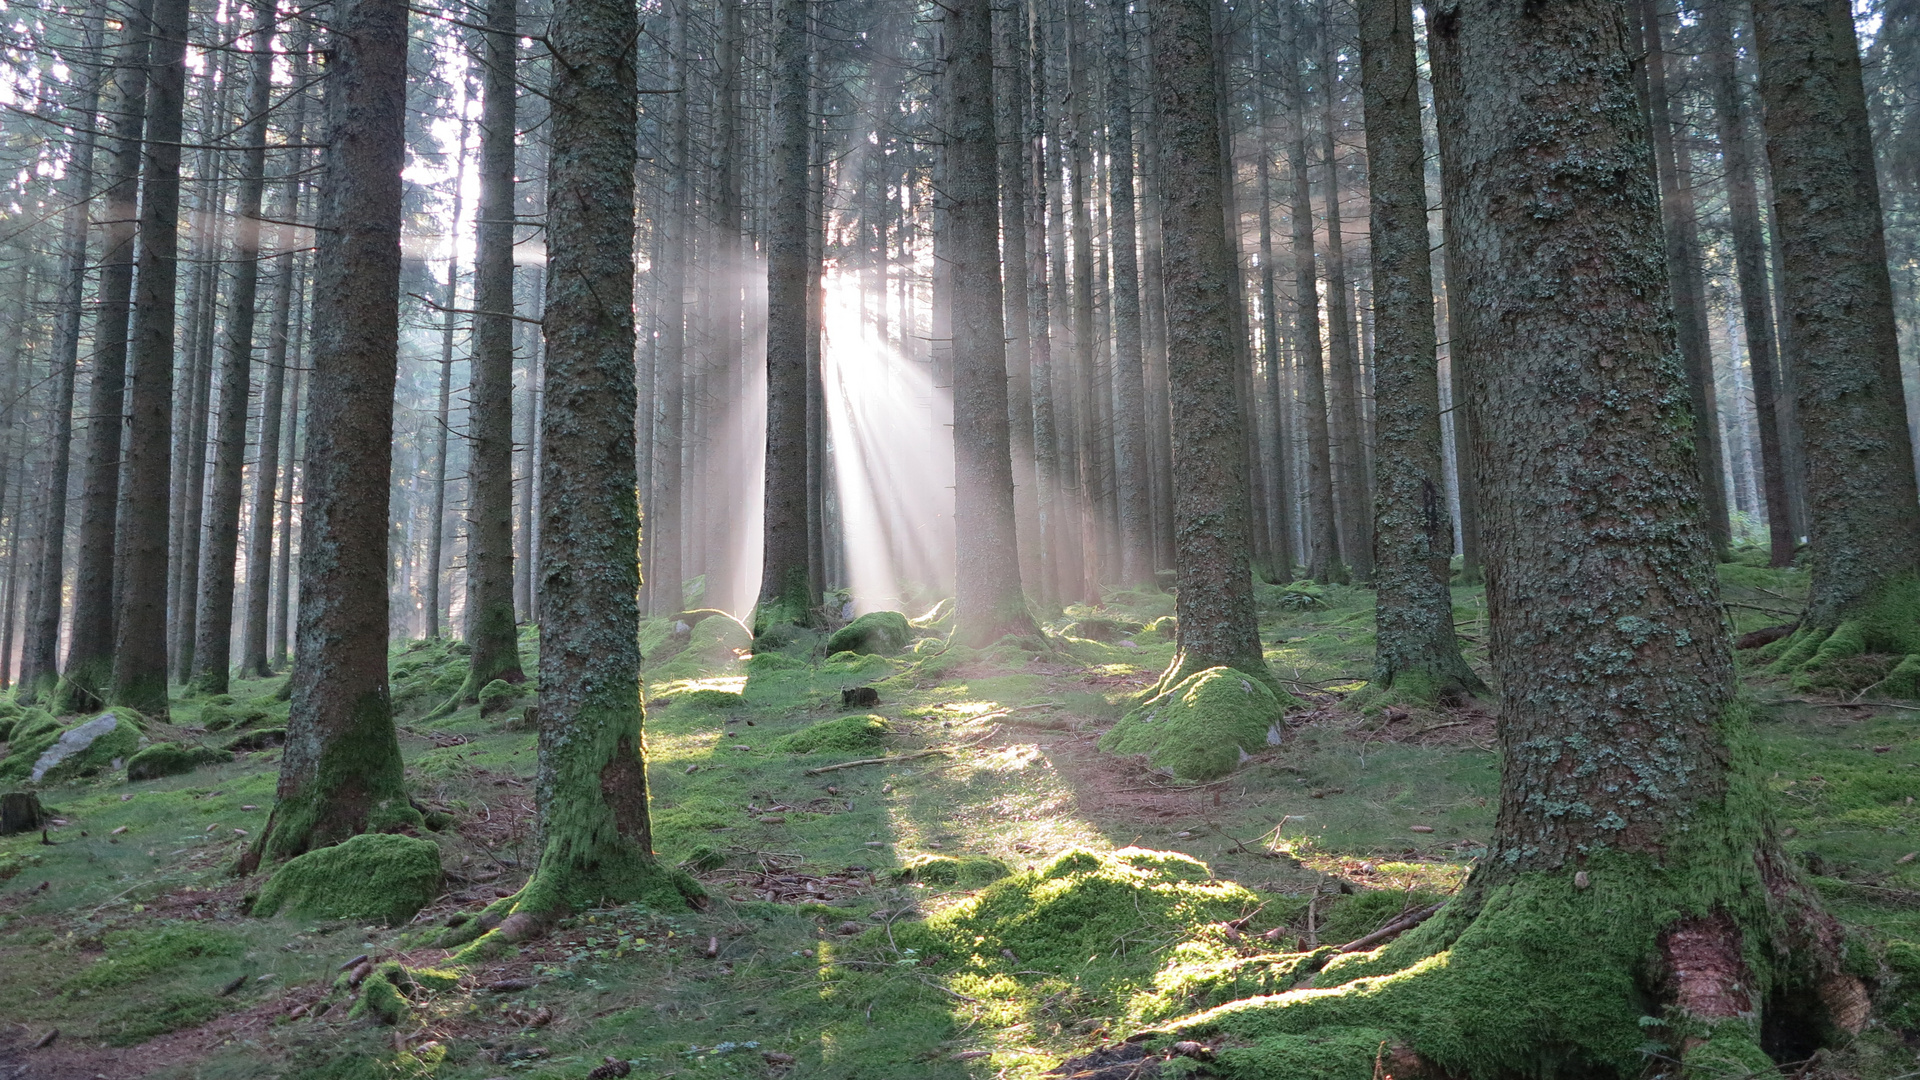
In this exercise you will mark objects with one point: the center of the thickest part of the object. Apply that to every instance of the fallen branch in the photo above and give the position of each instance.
(891, 759)
(1847, 704)
(1397, 926)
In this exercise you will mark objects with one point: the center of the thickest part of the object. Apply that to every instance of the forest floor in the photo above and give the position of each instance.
(851, 930)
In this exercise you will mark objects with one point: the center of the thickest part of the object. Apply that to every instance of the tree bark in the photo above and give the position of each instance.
(591, 785)
(1011, 92)
(1323, 542)
(140, 625)
(1838, 303)
(1130, 460)
(40, 649)
(290, 453)
(988, 601)
(1681, 227)
(668, 591)
(341, 773)
(1416, 654)
(493, 638)
(786, 591)
(1048, 482)
(90, 651)
(1212, 563)
(213, 646)
(1351, 497)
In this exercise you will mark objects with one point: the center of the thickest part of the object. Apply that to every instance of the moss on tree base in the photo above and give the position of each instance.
(373, 875)
(880, 632)
(1203, 726)
(1875, 649)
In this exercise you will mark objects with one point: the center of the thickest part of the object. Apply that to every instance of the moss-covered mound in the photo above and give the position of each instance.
(224, 714)
(79, 749)
(1098, 918)
(707, 698)
(1203, 727)
(172, 759)
(32, 724)
(882, 632)
(499, 695)
(844, 735)
(967, 871)
(1875, 650)
(370, 876)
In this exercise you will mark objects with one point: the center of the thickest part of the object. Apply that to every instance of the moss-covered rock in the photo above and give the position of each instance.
(843, 735)
(257, 739)
(373, 875)
(380, 1000)
(34, 723)
(499, 695)
(1086, 914)
(966, 871)
(1203, 727)
(172, 759)
(881, 632)
(80, 749)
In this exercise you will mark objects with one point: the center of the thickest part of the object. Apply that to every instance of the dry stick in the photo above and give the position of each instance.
(1399, 925)
(872, 761)
(1847, 704)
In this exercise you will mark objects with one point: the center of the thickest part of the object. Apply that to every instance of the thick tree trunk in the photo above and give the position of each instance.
(1633, 871)
(213, 645)
(988, 601)
(786, 591)
(1838, 303)
(1416, 654)
(341, 773)
(40, 650)
(1212, 563)
(1681, 227)
(90, 652)
(1323, 543)
(493, 638)
(140, 625)
(591, 787)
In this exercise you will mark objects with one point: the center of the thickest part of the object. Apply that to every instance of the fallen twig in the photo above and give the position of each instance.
(1847, 704)
(888, 760)
(1403, 923)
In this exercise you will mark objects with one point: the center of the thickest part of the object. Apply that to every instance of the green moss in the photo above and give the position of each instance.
(34, 723)
(373, 875)
(135, 955)
(1835, 658)
(1085, 913)
(358, 786)
(882, 632)
(380, 1000)
(117, 743)
(1902, 1006)
(843, 735)
(172, 759)
(1335, 1053)
(147, 1019)
(499, 694)
(709, 699)
(1203, 974)
(432, 980)
(1202, 727)
(967, 871)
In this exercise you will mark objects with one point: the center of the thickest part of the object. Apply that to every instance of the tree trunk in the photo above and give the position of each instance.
(493, 638)
(1090, 442)
(140, 625)
(341, 772)
(278, 631)
(988, 601)
(1839, 317)
(1351, 498)
(1633, 871)
(1213, 566)
(1323, 542)
(1130, 460)
(266, 472)
(1416, 655)
(1681, 227)
(213, 646)
(1010, 67)
(786, 592)
(90, 651)
(40, 650)
(1750, 264)
(591, 787)
(1048, 481)
(668, 592)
